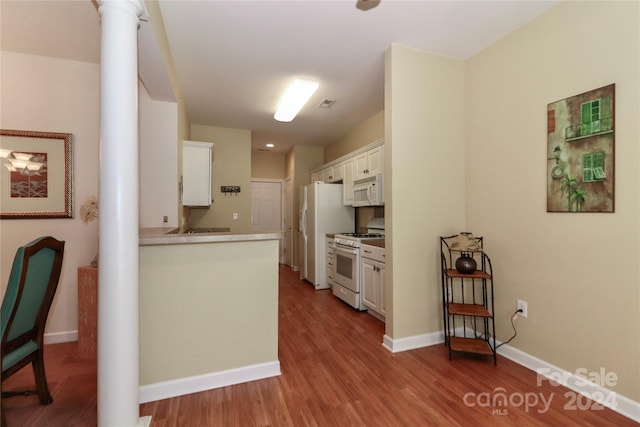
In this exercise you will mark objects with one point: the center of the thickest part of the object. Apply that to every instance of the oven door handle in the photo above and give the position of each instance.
(350, 251)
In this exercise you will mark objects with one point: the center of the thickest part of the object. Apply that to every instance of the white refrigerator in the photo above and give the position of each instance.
(321, 212)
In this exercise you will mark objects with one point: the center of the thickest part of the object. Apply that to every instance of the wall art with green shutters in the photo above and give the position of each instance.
(580, 152)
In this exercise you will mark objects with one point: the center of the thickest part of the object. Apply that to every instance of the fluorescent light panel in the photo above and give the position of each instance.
(294, 98)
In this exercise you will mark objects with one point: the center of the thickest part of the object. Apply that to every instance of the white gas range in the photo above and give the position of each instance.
(348, 285)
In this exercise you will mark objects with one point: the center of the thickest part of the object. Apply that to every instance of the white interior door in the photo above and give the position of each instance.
(266, 208)
(288, 223)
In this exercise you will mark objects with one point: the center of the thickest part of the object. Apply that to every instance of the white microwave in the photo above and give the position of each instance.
(368, 191)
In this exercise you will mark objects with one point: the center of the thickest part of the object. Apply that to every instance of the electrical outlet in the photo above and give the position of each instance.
(522, 305)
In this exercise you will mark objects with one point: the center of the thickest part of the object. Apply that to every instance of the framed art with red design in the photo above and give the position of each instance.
(35, 175)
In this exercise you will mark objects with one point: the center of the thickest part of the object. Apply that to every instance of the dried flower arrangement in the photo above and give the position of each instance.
(89, 210)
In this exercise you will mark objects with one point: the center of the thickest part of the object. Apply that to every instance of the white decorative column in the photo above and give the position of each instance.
(118, 272)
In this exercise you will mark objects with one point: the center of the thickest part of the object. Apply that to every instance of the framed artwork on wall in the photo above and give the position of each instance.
(580, 152)
(35, 175)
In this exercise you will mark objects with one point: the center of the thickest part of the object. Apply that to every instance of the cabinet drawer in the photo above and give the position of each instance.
(330, 280)
(373, 252)
(347, 295)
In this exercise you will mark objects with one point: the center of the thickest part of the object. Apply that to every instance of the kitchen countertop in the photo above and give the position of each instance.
(168, 236)
(374, 242)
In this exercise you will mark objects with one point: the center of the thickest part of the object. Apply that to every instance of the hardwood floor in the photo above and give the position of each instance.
(335, 372)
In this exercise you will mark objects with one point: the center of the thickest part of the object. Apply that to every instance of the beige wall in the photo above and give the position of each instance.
(183, 125)
(371, 130)
(578, 272)
(289, 165)
(231, 166)
(158, 161)
(31, 85)
(206, 308)
(424, 182)
(306, 159)
(55, 95)
(267, 165)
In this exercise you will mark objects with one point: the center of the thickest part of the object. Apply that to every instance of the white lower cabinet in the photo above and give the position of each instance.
(372, 270)
(331, 262)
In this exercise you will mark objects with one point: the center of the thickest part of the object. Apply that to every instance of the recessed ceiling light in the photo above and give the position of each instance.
(270, 145)
(294, 98)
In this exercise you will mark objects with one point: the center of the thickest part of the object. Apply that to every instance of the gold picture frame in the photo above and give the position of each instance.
(36, 174)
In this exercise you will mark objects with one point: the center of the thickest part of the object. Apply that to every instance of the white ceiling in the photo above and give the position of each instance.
(234, 58)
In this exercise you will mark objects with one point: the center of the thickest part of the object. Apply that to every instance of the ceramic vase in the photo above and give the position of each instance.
(466, 264)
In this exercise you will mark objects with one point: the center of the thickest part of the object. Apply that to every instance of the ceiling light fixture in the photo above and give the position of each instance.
(294, 98)
(270, 145)
(326, 103)
(367, 4)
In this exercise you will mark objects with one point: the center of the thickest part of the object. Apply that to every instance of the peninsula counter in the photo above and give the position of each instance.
(208, 311)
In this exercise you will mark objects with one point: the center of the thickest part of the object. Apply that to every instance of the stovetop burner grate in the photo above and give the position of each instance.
(362, 235)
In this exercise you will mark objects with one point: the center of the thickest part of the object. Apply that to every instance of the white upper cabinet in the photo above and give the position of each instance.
(362, 163)
(333, 173)
(347, 182)
(317, 176)
(196, 173)
(369, 163)
(327, 174)
(338, 173)
(376, 160)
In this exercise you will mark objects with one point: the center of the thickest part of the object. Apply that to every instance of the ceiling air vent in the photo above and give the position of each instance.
(326, 103)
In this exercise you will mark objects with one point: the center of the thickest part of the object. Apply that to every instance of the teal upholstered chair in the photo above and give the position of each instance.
(32, 284)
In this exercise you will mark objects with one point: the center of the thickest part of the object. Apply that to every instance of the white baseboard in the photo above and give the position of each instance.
(613, 401)
(410, 343)
(195, 384)
(59, 337)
